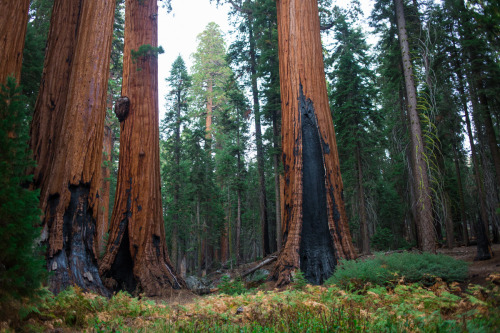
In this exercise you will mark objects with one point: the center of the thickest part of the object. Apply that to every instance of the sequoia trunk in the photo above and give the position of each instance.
(315, 230)
(67, 133)
(136, 258)
(13, 23)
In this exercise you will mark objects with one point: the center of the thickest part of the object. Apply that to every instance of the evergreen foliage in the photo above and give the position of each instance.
(357, 120)
(34, 48)
(21, 265)
(389, 270)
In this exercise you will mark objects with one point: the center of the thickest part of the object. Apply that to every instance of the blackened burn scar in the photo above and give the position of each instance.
(317, 256)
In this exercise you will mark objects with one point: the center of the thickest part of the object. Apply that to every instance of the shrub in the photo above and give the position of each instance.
(384, 239)
(231, 287)
(299, 280)
(387, 270)
(21, 267)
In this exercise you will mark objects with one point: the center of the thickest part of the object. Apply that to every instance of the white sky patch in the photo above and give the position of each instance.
(177, 33)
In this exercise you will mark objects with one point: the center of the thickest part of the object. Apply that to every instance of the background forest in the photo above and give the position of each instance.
(220, 138)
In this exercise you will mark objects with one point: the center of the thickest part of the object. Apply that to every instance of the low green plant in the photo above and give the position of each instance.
(21, 264)
(404, 308)
(231, 287)
(387, 270)
(299, 280)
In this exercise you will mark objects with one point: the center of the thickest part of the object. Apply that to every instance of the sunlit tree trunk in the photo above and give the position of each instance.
(67, 135)
(315, 229)
(421, 187)
(136, 258)
(13, 23)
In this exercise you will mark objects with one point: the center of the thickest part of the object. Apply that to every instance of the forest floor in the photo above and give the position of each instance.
(479, 271)
(472, 305)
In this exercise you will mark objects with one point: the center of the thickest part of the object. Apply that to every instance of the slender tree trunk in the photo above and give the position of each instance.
(238, 229)
(365, 237)
(266, 246)
(224, 239)
(450, 235)
(103, 214)
(67, 136)
(483, 246)
(463, 219)
(200, 239)
(424, 219)
(136, 259)
(277, 186)
(13, 24)
(277, 174)
(315, 229)
(208, 120)
(238, 214)
(177, 161)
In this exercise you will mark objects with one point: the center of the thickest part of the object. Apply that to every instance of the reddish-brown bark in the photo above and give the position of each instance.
(13, 23)
(67, 131)
(136, 258)
(314, 225)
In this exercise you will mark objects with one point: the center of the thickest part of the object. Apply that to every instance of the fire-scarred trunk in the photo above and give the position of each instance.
(315, 230)
(66, 138)
(136, 258)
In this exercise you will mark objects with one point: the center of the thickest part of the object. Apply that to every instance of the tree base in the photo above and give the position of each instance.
(76, 263)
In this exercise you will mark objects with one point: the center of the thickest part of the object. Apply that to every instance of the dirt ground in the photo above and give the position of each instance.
(478, 270)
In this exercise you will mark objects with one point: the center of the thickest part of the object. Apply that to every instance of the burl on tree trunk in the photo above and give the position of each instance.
(66, 138)
(314, 227)
(136, 258)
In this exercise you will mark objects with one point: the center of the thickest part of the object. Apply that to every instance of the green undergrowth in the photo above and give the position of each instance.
(441, 307)
(389, 270)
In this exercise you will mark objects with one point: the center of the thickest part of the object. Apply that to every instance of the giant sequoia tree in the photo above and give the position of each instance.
(66, 138)
(315, 230)
(136, 258)
(13, 20)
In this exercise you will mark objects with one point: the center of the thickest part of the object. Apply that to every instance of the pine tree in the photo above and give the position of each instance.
(21, 265)
(34, 48)
(179, 82)
(354, 115)
(211, 74)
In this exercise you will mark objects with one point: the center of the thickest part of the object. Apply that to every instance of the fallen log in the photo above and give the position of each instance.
(262, 264)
